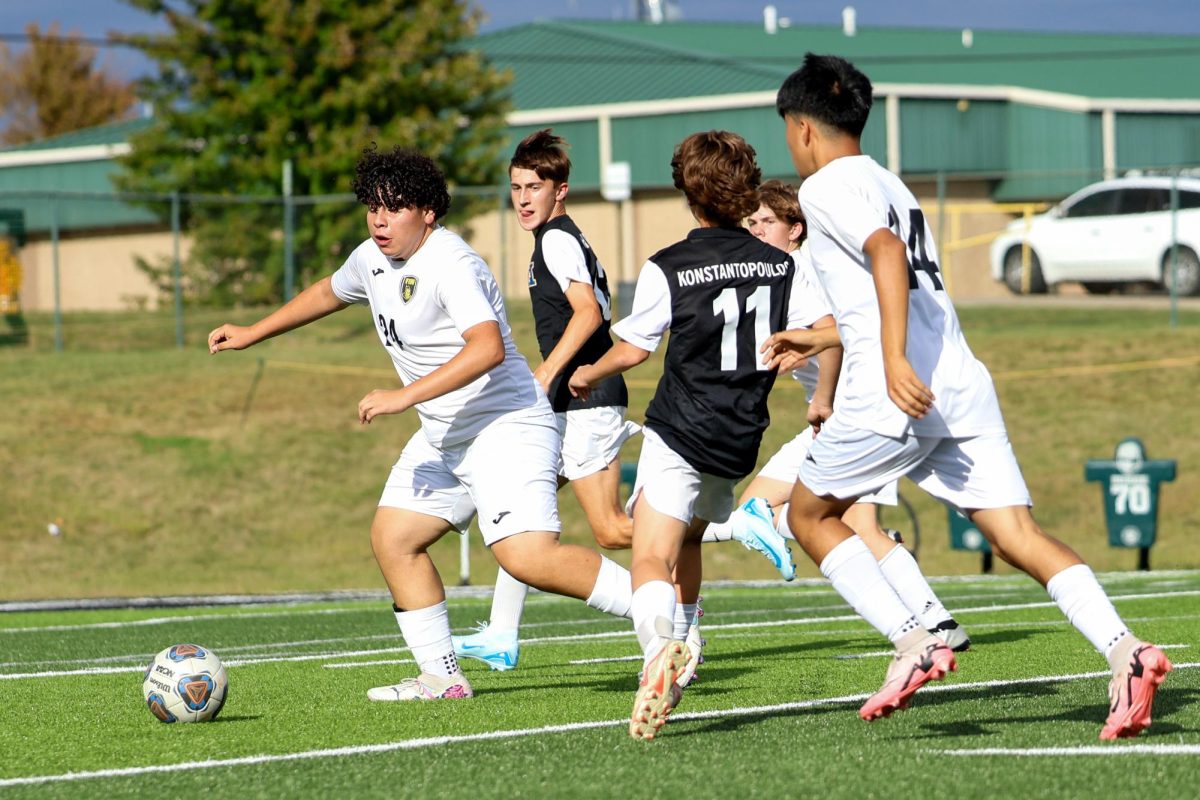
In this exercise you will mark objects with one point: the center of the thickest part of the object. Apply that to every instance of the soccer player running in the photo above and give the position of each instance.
(914, 401)
(779, 222)
(720, 292)
(488, 439)
(572, 312)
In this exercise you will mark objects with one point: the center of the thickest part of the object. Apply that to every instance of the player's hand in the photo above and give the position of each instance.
(382, 401)
(229, 337)
(542, 376)
(817, 413)
(580, 387)
(791, 349)
(905, 389)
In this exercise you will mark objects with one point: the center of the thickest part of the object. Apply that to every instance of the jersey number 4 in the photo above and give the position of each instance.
(726, 305)
(918, 258)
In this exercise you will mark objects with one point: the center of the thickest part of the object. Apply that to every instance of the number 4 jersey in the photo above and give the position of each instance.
(721, 292)
(845, 202)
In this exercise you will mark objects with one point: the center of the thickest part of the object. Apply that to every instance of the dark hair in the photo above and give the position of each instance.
(717, 174)
(781, 198)
(400, 178)
(829, 90)
(545, 154)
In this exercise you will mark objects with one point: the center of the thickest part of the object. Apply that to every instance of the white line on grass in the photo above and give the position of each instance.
(1086, 750)
(369, 663)
(605, 660)
(437, 741)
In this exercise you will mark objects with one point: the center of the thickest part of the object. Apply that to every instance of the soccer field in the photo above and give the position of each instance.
(773, 713)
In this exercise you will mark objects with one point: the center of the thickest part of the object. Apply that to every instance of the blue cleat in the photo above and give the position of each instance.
(753, 524)
(498, 649)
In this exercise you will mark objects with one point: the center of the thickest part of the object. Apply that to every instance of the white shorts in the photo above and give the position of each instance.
(674, 487)
(592, 439)
(508, 472)
(785, 466)
(968, 473)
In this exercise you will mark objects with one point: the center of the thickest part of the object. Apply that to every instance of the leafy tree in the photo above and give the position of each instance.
(56, 85)
(242, 85)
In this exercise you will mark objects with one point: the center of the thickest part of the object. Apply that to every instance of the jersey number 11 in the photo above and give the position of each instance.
(726, 305)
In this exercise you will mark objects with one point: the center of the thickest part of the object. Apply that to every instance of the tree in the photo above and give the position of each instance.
(243, 85)
(55, 85)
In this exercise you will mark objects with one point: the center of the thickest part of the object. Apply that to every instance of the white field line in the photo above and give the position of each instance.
(134, 623)
(382, 661)
(733, 626)
(1086, 750)
(438, 741)
(605, 660)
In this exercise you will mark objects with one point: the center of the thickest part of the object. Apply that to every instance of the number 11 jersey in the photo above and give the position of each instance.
(721, 292)
(845, 202)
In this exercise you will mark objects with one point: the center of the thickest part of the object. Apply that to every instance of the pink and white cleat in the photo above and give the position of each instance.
(424, 687)
(1131, 692)
(907, 673)
(658, 692)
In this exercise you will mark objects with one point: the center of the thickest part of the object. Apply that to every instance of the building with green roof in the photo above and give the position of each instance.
(984, 117)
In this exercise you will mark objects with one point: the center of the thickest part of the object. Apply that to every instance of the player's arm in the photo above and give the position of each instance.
(889, 269)
(310, 305)
(482, 351)
(791, 349)
(585, 319)
(621, 356)
(830, 363)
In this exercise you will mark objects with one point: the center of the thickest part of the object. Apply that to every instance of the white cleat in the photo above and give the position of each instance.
(424, 687)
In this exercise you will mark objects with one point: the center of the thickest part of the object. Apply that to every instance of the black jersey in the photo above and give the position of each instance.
(552, 311)
(728, 291)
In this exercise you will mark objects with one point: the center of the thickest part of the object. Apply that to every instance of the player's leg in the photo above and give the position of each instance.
(902, 571)
(759, 522)
(599, 495)
(844, 464)
(406, 523)
(981, 476)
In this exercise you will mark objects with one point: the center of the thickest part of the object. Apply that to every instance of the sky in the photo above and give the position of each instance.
(96, 18)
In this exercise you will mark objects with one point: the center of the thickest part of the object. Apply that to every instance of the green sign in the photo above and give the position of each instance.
(964, 535)
(1129, 484)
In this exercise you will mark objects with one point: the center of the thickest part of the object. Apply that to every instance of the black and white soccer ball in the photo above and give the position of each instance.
(185, 683)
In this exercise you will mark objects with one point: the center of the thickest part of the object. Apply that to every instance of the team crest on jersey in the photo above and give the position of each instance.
(532, 277)
(408, 287)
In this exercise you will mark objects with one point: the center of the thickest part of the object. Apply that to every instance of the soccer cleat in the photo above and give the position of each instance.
(658, 693)
(907, 673)
(498, 649)
(695, 656)
(753, 524)
(424, 687)
(1131, 692)
(953, 635)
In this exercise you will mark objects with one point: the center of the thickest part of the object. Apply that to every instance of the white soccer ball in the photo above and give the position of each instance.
(185, 683)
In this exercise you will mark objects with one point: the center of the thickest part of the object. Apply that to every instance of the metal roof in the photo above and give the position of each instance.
(557, 63)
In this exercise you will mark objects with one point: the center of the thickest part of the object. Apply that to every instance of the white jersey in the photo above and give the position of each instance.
(806, 289)
(845, 202)
(421, 308)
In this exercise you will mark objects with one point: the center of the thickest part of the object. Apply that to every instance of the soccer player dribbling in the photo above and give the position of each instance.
(488, 439)
(720, 292)
(914, 401)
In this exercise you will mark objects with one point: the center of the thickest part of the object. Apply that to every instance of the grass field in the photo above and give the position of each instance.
(773, 714)
(176, 472)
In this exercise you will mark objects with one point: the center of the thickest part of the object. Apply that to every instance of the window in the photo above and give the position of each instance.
(1098, 204)
(1144, 201)
(1189, 199)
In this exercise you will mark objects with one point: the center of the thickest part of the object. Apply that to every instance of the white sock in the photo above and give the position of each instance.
(1082, 599)
(902, 572)
(685, 615)
(719, 531)
(613, 591)
(426, 631)
(508, 602)
(653, 612)
(855, 575)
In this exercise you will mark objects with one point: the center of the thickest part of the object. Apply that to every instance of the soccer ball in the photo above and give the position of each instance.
(185, 683)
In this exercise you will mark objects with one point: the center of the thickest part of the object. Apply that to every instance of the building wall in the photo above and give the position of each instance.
(99, 272)
(96, 273)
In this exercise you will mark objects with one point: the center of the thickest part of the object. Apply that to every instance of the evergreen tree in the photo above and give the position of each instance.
(243, 85)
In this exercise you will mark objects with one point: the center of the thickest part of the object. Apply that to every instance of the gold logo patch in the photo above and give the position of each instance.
(408, 287)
